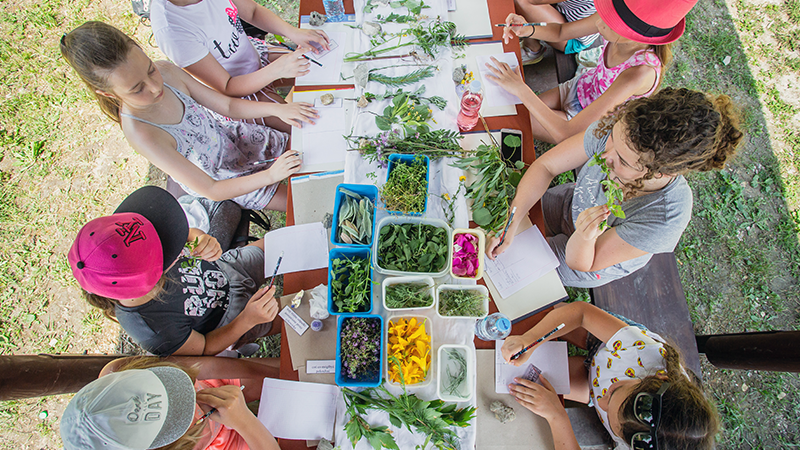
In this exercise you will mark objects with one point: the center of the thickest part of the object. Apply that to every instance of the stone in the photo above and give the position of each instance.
(316, 19)
(371, 28)
(362, 101)
(326, 99)
(324, 444)
(502, 412)
(361, 75)
(459, 72)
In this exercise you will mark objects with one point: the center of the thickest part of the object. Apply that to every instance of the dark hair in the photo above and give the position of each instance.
(107, 305)
(688, 420)
(676, 131)
(93, 49)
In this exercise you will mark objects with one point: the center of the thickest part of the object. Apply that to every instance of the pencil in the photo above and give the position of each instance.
(519, 353)
(263, 161)
(277, 266)
(529, 24)
(212, 410)
(510, 218)
(304, 56)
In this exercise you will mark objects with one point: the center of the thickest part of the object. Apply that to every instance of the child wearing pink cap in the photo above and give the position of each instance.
(637, 38)
(133, 266)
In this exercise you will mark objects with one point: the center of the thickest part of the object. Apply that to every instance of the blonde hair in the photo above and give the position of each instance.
(108, 305)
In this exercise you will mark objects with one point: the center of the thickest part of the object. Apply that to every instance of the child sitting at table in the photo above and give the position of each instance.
(531, 50)
(145, 403)
(164, 119)
(647, 145)
(641, 391)
(130, 266)
(632, 63)
(206, 38)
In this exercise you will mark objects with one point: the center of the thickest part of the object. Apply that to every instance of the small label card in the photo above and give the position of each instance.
(321, 366)
(293, 320)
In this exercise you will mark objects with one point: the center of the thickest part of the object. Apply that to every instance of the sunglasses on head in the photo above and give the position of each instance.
(647, 409)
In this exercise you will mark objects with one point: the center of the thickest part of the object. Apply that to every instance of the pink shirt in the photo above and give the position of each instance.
(595, 81)
(217, 436)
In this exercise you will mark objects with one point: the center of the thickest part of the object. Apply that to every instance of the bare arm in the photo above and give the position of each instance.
(589, 249)
(231, 411)
(552, 32)
(267, 20)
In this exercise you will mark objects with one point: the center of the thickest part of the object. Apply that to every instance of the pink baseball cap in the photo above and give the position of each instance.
(653, 22)
(122, 256)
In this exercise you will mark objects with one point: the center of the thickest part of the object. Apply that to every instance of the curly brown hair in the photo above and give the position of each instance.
(676, 131)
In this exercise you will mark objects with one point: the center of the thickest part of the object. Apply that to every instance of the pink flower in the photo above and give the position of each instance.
(465, 255)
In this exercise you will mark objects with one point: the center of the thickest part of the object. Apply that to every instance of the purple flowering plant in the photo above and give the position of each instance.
(465, 255)
(360, 347)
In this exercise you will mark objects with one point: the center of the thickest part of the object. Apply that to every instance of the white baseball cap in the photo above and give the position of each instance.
(130, 410)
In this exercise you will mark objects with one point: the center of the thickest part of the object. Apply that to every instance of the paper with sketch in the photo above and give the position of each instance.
(550, 357)
(493, 94)
(296, 410)
(527, 260)
(304, 247)
(331, 63)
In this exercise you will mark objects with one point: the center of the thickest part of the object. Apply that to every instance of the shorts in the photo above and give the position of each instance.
(568, 92)
(244, 268)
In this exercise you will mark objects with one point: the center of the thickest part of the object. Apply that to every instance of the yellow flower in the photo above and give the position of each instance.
(462, 178)
(446, 196)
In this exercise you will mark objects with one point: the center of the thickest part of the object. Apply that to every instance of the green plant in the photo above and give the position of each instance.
(412, 247)
(614, 194)
(461, 302)
(360, 339)
(407, 112)
(188, 248)
(414, 6)
(408, 295)
(428, 38)
(433, 144)
(350, 284)
(356, 214)
(402, 80)
(415, 96)
(455, 380)
(406, 188)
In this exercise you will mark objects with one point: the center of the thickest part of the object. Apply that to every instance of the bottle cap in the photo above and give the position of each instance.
(475, 86)
(503, 324)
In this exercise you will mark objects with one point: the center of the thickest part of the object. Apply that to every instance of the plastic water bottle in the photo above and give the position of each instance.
(470, 106)
(334, 9)
(493, 327)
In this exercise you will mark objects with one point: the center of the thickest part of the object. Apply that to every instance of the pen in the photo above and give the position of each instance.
(510, 218)
(277, 266)
(212, 410)
(529, 24)
(304, 56)
(519, 353)
(263, 161)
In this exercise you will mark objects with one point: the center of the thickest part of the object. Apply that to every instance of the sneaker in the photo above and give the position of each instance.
(530, 57)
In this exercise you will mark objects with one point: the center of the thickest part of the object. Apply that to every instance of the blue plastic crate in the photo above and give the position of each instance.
(397, 158)
(367, 190)
(359, 252)
(375, 380)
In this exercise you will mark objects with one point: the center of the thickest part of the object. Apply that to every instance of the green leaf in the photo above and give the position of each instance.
(519, 165)
(514, 178)
(512, 141)
(383, 123)
(482, 216)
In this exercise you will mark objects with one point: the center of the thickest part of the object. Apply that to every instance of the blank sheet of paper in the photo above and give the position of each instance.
(494, 95)
(331, 63)
(296, 410)
(304, 247)
(525, 261)
(550, 357)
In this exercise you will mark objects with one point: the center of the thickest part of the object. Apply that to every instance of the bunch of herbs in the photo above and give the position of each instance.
(415, 96)
(433, 144)
(434, 418)
(188, 248)
(406, 188)
(408, 295)
(351, 284)
(455, 379)
(461, 302)
(360, 348)
(406, 111)
(414, 6)
(614, 193)
(412, 247)
(437, 33)
(355, 218)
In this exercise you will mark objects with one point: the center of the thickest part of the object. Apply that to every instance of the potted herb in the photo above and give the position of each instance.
(406, 187)
(349, 281)
(462, 301)
(359, 350)
(409, 246)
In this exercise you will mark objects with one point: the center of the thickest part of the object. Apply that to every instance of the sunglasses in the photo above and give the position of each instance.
(647, 409)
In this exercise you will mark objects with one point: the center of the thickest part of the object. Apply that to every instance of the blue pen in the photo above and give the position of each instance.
(510, 218)
(277, 266)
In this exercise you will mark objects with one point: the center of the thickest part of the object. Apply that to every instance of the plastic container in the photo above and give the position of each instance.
(397, 158)
(471, 102)
(334, 9)
(416, 279)
(416, 220)
(493, 327)
(367, 190)
(429, 331)
(481, 250)
(359, 252)
(373, 381)
(443, 362)
(461, 287)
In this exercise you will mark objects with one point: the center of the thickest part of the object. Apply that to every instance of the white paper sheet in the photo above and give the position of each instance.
(296, 410)
(323, 144)
(550, 357)
(471, 18)
(305, 247)
(493, 94)
(527, 260)
(331, 63)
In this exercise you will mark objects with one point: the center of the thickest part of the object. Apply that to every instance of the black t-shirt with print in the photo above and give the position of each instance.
(195, 297)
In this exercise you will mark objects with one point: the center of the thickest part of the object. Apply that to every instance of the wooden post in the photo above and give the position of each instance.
(25, 376)
(772, 350)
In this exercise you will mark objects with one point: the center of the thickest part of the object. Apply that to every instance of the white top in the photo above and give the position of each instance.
(630, 353)
(186, 34)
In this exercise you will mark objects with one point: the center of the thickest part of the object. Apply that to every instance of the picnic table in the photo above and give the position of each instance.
(294, 282)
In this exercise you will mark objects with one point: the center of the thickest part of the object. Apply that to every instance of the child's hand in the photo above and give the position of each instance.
(511, 346)
(540, 400)
(494, 249)
(262, 307)
(207, 248)
(587, 227)
(296, 113)
(514, 32)
(292, 65)
(304, 38)
(508, 78)
(231, 408)
(288, 163)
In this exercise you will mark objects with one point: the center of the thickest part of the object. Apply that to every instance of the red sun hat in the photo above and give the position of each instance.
(653, 22)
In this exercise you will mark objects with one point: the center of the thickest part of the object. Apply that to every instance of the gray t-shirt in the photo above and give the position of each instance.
(653, 222)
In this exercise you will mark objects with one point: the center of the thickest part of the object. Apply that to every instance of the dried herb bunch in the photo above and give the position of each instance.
(351, 284)
(408, 295)
(614, 193)
(360, 350)
(412, 247)
(461, 302)
(406, 188)
(355, 218)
